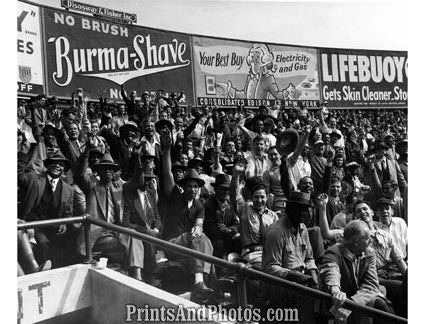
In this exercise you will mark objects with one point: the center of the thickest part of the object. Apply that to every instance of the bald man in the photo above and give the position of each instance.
(348, 270)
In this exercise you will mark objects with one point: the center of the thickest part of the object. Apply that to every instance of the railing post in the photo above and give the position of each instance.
(241, 288)
(89, 256)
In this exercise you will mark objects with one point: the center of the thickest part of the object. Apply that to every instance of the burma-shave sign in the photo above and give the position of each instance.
(99, 56)
(363, 78)
(105, 12)
(231, 73)
(30, 63)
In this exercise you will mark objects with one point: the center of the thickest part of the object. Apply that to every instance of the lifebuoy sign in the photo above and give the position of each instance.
(362, 78)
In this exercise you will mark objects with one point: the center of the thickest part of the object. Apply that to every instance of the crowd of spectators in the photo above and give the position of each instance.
(315, 196)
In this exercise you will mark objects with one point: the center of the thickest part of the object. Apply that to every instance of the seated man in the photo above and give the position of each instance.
(184, 217)
(141, 211)
(221, 222)
(255, 217)
(348, 270)
(288, 254)
(47, 196)
(287, 250)
(395, 226)
(105, 202)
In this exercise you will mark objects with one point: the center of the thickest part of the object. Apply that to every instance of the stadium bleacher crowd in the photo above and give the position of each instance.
(315, 196)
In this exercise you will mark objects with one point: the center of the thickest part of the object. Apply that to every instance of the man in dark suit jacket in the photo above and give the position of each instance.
(348, 270)
(383, 169)
(140, 208)
(123, 146)
(47, 196)
(39, 115)
(221, 221)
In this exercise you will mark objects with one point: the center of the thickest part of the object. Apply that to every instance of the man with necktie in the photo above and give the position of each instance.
(48, 196)
(105, 202)
(383, 169)
(141, 210)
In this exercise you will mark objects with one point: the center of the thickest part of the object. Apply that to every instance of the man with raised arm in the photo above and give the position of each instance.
(184, 216)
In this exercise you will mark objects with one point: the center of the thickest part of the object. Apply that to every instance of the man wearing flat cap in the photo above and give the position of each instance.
(184, 216)
(47, 196)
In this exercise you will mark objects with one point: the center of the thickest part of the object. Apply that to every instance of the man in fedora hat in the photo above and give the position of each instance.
(44, 148)
(39, 114)
(288, 254)
(287, 251)
(221, 220)
(402, 149)
(47, 196)
(105, 202)
(184, 216)
(382, 168)
(141, 211)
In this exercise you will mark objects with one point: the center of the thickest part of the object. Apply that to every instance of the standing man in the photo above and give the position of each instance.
(184, 217)
(255, 217)
(383, 169)
(122, 147)
(271, 179)
(46, 197)
(257, 160)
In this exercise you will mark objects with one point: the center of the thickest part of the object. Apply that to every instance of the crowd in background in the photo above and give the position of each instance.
(303, 194)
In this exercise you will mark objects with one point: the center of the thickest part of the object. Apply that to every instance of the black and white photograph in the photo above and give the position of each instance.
(217, 161)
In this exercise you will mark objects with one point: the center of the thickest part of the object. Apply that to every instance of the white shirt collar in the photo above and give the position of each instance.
(53, 182)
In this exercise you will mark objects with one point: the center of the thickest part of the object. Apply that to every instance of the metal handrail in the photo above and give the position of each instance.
(242, 271)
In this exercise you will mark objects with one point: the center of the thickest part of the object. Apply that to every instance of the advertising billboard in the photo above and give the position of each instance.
(363, 78)
(231, 73)
(30, 59)
(99, 56)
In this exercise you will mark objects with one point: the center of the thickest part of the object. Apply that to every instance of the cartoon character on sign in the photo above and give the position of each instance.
(260, 82)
